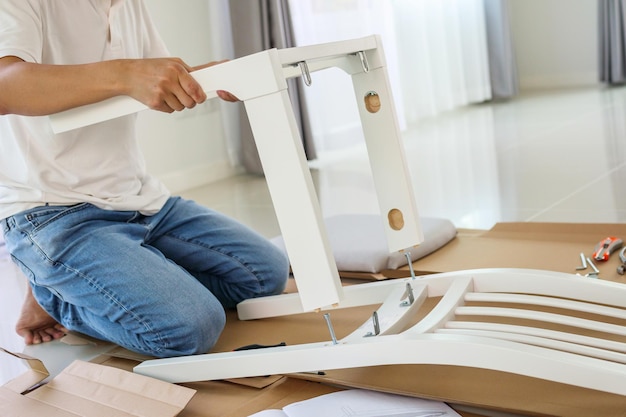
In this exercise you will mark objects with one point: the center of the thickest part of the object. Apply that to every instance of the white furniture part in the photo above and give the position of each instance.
(558, 327)
(553, 326)
(259, 80)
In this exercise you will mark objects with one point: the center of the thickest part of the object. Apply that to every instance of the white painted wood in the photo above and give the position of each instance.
(445, 310)
(387, 159)
(293, 195)
(394, 314)
(497, 280)
(287, 304)
(558, 356)
(596, 342)
(561, 319)
(289, 56)
(542, 342)
(233, 76)
(547, 302)
(456, 350)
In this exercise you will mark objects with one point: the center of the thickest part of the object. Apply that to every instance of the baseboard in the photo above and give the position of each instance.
(198, 176)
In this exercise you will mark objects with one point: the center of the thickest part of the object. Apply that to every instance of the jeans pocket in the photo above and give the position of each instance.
(40, 217)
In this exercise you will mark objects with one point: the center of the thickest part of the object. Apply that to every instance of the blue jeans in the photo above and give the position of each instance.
(157, 284)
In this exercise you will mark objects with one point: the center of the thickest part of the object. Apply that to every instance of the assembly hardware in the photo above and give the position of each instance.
(330, 328)
(376, 324)
(306, 74)
(409, 293)
(410, 262)
(595, 272)
(584, 263)
(363, 59)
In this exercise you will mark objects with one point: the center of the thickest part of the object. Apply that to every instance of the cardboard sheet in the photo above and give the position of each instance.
(89, 390)
(546, 246)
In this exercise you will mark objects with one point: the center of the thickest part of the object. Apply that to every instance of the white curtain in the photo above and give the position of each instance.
(436, 54)
(222, 48)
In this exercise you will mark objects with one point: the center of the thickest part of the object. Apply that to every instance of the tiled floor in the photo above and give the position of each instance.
(552, 156)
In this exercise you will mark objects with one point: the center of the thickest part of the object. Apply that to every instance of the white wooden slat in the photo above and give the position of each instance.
(542, 342)
(549, 283)
(444, 310)
(539, 332)
(542, 316)
(547, 302)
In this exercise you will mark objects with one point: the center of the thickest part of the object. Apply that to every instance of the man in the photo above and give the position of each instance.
(107, 251)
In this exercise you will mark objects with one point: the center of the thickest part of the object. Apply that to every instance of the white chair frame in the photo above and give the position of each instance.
(567, 355)
(259, 80)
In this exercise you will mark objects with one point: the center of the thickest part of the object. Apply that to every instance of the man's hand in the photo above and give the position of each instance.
(163, 84)
(166, 84)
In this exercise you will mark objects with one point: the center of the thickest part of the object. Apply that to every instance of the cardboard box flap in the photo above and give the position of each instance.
(29, 379)
(107, 392)
(13, 404)
(89, 390)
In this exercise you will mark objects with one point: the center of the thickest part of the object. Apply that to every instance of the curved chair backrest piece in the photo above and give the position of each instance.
(525, 322)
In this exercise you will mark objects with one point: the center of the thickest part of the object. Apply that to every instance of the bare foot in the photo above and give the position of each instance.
(35, 325)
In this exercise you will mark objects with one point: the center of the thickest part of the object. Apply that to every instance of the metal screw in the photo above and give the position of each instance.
(584, 262)
(410, 262)
(409, 293)
(595, 272)
(376, 323)
(330, 328)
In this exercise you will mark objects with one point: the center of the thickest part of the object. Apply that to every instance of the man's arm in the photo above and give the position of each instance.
(163, 84)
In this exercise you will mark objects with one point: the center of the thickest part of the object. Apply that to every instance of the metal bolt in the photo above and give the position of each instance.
(584, 262)
(596, 270)
(330, 328)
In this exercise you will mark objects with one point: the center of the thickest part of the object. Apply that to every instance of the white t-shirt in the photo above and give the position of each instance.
(100, 164)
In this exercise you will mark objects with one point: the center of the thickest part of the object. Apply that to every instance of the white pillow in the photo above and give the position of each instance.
(359, 244)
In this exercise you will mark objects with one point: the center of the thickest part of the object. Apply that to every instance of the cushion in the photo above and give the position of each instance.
(359, 243)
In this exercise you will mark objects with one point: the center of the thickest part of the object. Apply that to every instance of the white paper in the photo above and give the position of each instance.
(363, 403)
(270, 413)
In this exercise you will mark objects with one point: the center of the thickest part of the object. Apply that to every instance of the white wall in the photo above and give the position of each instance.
(190, 148)
(555, 42)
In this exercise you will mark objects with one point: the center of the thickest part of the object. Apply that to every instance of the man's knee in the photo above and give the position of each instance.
(190, 336)
(277, 280)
